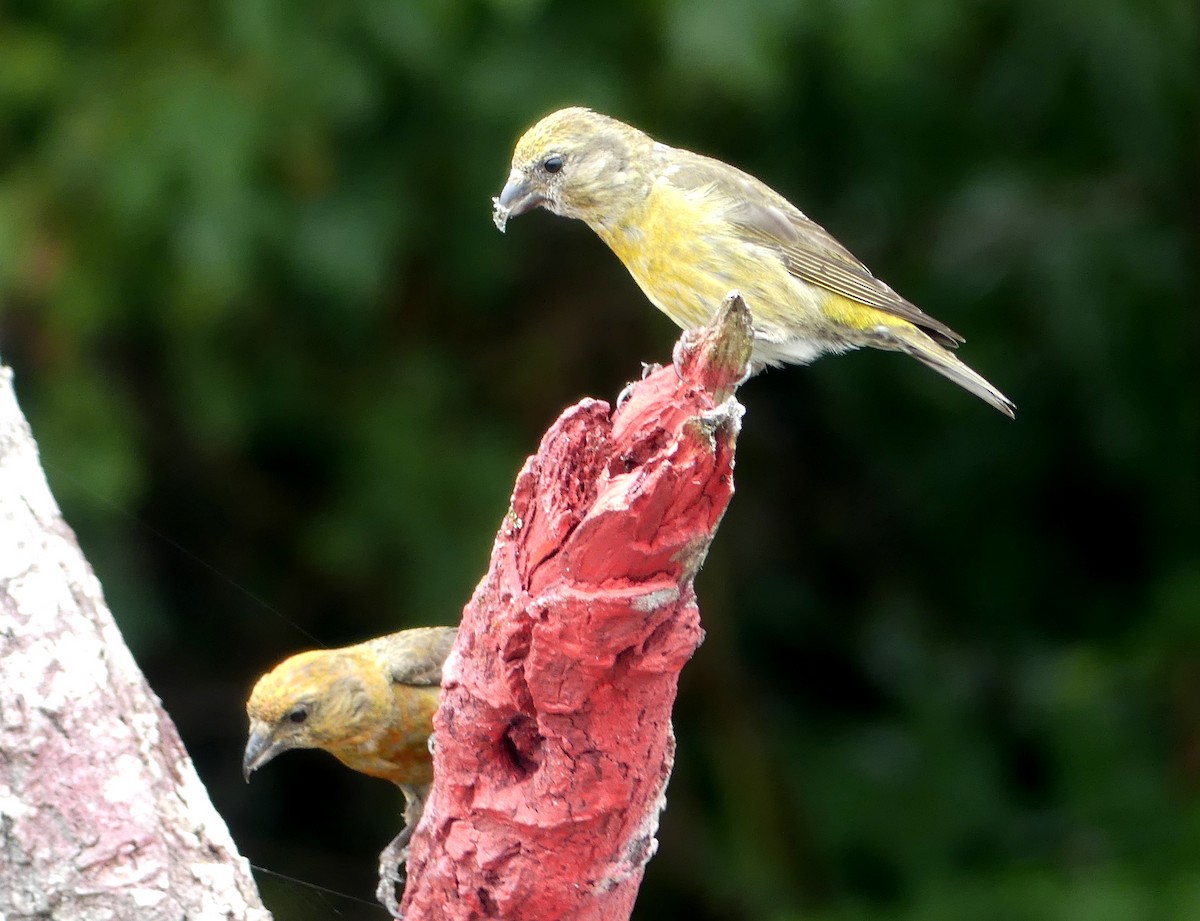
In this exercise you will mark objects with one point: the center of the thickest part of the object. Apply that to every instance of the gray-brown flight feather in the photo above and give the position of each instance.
(416, 656)
(808, 251)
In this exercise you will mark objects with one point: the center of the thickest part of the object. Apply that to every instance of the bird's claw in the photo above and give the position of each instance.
(683, 345)
(648, 368)
(392, 862)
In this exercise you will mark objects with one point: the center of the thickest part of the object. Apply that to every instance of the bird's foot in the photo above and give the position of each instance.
(392, 862)
(648, 368)
(683, 345)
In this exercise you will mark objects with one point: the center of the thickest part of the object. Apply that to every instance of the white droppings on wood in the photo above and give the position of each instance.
(659, 598)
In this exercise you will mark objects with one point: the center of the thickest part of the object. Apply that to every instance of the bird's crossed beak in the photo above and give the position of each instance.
(515, 198)
(261, 747)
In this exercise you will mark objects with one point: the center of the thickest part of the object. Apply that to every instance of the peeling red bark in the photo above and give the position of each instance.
(554, 740)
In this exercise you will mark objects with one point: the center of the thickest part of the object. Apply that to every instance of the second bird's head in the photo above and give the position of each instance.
(576, 163)
(312, 700)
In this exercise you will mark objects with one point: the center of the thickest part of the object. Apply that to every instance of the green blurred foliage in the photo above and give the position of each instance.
(283, 371)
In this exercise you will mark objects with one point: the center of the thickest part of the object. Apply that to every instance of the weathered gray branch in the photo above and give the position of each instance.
(102, 815)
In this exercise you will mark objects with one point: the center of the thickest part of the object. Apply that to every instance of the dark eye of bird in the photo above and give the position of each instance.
(552, 164)
(299, 715)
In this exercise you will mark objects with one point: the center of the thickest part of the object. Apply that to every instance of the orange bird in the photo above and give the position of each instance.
(370, 706)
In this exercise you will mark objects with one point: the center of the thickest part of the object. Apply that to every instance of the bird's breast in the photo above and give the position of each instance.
(686, 256)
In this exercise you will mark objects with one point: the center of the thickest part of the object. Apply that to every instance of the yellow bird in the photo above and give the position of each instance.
(371, 706)
(690, 229)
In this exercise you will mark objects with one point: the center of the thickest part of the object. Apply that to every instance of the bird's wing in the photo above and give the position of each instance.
(810, 252)
(416, 656)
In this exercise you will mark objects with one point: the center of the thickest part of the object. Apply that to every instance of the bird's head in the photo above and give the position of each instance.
(312, 700)
(577, 163)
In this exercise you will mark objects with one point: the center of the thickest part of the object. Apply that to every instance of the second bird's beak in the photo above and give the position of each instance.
(515, 198)
(261, 747)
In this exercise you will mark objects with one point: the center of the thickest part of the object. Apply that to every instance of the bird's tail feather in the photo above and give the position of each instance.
(913, 342)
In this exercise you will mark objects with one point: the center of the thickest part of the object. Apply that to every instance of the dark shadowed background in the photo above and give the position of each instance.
(283, 371)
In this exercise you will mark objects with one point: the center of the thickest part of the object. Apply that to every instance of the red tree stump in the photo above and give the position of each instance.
(554, 741)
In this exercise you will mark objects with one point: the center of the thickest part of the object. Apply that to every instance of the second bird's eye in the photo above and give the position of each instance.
(552, 164)
(299, 715)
